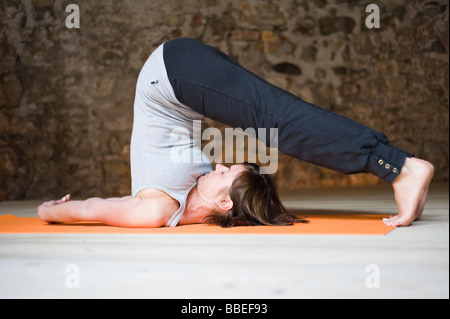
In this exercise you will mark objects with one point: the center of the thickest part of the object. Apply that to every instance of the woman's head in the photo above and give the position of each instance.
(244, 197)
(214, 188)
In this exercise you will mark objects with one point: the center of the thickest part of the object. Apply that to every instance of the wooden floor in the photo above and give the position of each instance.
(411, 262)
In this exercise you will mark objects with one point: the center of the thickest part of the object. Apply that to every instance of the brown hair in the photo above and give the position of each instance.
(255, 202)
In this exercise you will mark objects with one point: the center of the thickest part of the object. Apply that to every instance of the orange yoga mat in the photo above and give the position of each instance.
(318, 225)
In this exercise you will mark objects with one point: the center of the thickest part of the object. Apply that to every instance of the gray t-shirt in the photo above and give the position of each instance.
(165, 154)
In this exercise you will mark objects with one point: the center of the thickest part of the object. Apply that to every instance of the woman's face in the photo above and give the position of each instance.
(215, 185)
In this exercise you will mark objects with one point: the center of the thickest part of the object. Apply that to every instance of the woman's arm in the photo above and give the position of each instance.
(124, 212)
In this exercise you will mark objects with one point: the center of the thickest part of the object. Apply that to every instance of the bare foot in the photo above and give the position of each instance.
(42, 208)
(411, 190)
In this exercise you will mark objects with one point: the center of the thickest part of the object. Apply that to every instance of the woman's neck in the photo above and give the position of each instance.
(197, 208)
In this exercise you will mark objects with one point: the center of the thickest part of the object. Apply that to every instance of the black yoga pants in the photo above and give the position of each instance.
(212, 84)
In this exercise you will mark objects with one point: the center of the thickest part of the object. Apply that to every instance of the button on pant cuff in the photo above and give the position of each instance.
(386, 162)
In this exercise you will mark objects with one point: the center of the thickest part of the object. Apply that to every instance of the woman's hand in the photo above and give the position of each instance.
(66, 198)
(42, 209)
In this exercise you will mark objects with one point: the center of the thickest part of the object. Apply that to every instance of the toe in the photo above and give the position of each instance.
(397, 221)
(389, 221)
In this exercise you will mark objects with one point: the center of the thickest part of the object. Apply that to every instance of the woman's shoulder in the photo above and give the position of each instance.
(158, 196)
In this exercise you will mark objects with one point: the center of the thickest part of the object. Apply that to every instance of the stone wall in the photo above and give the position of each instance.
(66, 95)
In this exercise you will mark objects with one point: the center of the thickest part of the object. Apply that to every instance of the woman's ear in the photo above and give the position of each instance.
(225, 204)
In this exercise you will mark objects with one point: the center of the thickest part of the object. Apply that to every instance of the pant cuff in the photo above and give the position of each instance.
(386, 162)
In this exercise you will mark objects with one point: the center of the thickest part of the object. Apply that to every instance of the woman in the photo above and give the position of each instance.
(185, 80)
